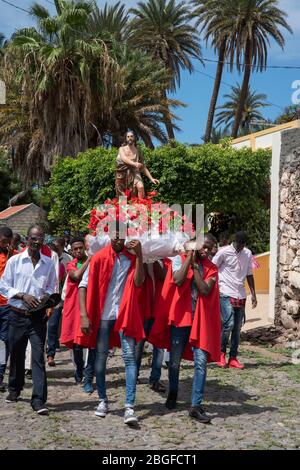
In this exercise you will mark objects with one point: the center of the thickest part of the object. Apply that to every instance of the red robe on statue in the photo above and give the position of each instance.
(130, 317)
(174, 307)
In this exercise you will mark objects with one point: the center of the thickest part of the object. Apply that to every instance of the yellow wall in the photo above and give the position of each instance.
(250, 139)
(261, 274)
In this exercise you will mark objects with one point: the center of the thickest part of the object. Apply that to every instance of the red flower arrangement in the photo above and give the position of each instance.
(140, 215)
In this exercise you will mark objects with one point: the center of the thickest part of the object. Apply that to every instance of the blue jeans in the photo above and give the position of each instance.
(128, 349)
(200, 363)
(53, 326)
(179, 340)
(102, 348)
(157, 358)
(232, 321)
(89, 371)
(4, 324)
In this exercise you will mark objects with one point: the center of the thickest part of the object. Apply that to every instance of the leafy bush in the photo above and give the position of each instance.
(224, 179)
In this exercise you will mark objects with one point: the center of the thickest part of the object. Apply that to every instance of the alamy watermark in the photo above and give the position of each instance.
(296, 94)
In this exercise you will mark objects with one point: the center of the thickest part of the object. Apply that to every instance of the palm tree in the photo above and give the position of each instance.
(255, 22)
(77, 85)
(218, 134)
(210, 15)
(140, 106)
(109, 23)
(251, 112)
(3, 43)
(60, 70)
(162, 29)
(290, 113)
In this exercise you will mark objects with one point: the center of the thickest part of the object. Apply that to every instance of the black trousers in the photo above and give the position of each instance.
(22, 329)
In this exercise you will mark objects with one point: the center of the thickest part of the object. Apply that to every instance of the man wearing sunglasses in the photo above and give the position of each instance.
(28, 280)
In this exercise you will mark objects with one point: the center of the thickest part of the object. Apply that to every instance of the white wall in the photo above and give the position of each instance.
(265, 141)
(276, 150)
(242, 145)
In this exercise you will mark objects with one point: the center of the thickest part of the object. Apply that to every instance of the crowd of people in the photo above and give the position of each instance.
(191, 305)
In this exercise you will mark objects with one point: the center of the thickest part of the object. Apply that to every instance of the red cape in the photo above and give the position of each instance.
(130, 318)
(146, 297)
(175, 308)
(159, 287)
(71, 312)
(150, 293)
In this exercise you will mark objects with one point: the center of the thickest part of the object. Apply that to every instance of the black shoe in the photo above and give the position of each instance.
(158, 387)
(2, 386)
(171, 400)
(40, 409)
(199, 414)
(28, 373)
(12, 397)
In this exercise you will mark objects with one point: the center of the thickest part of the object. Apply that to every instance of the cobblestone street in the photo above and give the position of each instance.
(257, 408)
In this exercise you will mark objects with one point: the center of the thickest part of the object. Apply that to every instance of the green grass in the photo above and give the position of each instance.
(292, 371)
(79, 441)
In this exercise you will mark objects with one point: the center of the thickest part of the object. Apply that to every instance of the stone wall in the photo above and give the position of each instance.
(287, 294)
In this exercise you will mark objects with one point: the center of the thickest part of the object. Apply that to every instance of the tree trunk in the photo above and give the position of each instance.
(168, 122)
(214, 98)
(244, 90)
(19, 197)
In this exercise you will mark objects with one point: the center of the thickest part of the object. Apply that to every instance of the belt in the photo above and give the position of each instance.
(21, 311)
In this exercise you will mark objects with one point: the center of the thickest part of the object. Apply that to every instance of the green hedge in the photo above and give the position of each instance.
(225, 180)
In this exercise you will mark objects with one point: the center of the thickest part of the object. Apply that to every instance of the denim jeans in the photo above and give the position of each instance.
(4, 324)
(21, 329)
(128, 349)
(200, 364)
(78, 360)
(89, 371)
(102, 348)
(232, 320)
(157, 358)
(53, 326)
(179, 340)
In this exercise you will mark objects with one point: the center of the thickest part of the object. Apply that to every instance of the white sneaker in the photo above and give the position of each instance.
(129, 416)
(102, 409)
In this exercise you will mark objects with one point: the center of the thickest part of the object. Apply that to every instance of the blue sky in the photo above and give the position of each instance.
(196, 89)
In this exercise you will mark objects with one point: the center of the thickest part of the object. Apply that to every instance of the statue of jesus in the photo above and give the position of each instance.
(130, 164)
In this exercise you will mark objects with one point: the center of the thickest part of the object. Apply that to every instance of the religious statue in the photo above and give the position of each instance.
(130, 164)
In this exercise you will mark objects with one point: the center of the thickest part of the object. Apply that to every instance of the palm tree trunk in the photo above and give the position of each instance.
(168, 122)
(147, 140)
(214, 98)
(244, 90)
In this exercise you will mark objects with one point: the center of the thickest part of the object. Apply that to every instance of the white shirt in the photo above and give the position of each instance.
(20, 276)
(55, 259)
(233, 267)
(115, 288)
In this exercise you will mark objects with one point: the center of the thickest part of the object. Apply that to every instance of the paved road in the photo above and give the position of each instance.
(257, 408)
